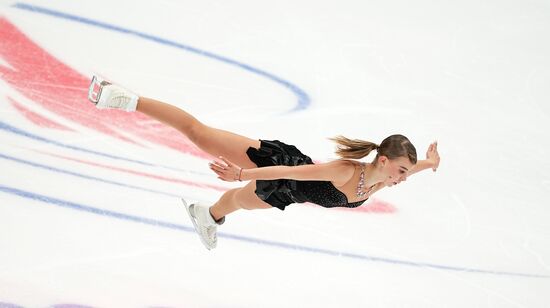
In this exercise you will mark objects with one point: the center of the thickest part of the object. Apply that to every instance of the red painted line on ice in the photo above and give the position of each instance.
(138, 173)
(37, 118)
(63, 91)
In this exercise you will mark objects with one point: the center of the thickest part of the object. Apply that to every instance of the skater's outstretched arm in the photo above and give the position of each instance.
(339, 172)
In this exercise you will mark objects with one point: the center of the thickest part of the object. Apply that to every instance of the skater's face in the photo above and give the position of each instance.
(394, 170)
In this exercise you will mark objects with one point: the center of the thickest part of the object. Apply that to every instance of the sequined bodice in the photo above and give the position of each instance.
(324, 194)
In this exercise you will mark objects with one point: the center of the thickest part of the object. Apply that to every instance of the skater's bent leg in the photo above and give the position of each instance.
(215, 142)
(238, 198)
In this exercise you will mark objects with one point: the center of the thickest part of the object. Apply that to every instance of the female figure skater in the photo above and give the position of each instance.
(278, 174)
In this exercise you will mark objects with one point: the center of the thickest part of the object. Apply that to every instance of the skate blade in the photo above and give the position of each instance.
(194, 223)
(96, 86)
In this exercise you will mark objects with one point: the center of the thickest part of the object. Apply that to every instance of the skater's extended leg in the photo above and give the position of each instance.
(215, 142)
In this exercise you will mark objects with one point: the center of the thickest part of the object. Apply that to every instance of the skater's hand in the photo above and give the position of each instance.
(433, 156)
(226, 170)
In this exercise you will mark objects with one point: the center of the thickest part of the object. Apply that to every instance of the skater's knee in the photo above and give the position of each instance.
(249, 200)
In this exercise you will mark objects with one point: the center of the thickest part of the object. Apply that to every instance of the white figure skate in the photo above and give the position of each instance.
(204, 223)
(106, 95)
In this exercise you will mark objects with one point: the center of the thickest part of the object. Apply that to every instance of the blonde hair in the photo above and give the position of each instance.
(393, 147)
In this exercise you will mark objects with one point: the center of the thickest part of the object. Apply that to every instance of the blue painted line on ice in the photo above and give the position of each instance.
(9, 305)
(303, 97)
(92, 210)
(83, 176)
(286, 246)
(14, 130)
(303, 102)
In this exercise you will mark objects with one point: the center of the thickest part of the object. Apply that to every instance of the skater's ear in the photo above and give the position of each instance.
(382, 160)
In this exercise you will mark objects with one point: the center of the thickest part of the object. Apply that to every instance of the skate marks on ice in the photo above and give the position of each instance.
(263, 242)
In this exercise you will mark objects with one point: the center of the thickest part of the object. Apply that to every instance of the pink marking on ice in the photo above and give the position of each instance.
(138, 173)
(371, 206)
(36, 118)
(375, 206)
(64, 91)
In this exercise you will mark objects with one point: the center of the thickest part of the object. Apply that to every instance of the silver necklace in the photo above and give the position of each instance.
(361, 185)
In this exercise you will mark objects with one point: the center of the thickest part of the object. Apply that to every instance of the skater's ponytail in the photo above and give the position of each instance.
(353, 148)
(392, 147)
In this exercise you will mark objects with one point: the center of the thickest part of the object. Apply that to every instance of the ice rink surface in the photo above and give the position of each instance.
(90, 214)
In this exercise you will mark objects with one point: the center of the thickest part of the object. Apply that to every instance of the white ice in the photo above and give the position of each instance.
(473, 75)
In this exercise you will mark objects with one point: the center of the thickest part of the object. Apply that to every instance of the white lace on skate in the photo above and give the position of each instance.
(107, 95)
(115, 97)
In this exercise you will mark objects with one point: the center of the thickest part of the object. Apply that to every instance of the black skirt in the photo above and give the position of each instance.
(282, 192)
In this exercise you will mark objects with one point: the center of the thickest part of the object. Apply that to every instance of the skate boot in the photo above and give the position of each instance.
(204, 223)
(110, 96)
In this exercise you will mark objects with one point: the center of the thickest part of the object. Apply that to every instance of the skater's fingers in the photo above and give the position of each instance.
(225, 170)
(219, 171)
(218, 165)
(215, 167)
(229, 164)
(224, 173)
(216, 170)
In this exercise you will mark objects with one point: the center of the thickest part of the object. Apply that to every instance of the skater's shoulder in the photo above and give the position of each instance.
(346, 163)
(344, 169)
